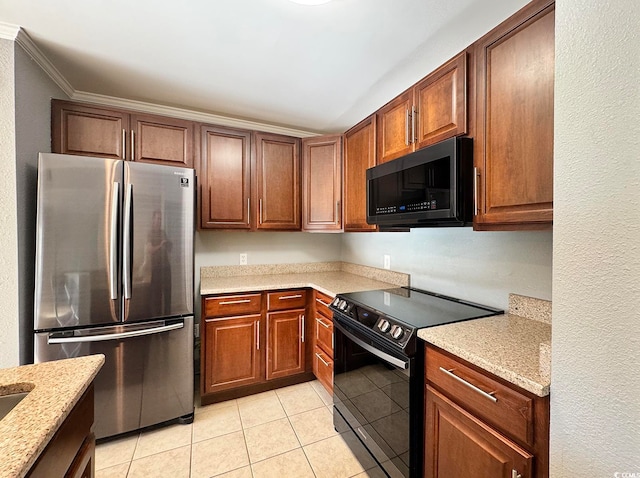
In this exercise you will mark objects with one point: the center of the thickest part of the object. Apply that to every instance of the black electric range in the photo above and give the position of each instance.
(379, 368)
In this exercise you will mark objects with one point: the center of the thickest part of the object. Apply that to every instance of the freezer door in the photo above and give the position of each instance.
(147, 377)
(77, 279)
(158, 241)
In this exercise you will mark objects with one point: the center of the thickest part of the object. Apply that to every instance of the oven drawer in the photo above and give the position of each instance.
(287, 299)
(227, 305)
(324, 334)
(323, 368)
(322, 304)
(500, 405)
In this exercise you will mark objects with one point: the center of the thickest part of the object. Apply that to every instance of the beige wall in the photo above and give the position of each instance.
(595, 383)
(9, 354)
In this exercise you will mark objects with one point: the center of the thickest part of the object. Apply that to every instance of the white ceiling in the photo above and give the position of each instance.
(316, 68)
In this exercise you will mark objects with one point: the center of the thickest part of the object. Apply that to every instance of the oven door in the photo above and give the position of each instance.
(372, 393)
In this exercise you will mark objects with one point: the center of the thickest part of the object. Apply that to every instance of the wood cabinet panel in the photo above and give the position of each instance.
(462, 445)
(286, 299)
(323, 328)
(359, 155)
(514, 140)
(225, 178)
(161, 140)
(394, 128)
(511, 413)
(441, 103)
(285, 343)
(322, 303)
(323, 368)
(278, 181)
(227, 305)
(232, 356)
(322, 183)
(88, 131)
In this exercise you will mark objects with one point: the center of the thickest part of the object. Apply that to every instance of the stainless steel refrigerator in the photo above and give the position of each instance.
(114, 275)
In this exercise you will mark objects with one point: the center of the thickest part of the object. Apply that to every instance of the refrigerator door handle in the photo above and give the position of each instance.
(116, 336)
(113, 243)
(126, 269)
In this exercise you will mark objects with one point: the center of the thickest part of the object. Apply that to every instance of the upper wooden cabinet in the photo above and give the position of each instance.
(110, 133)
(322, 183)
(277, 181)
(432, 110)
(359, 155)
(224, 178)
(514, 111)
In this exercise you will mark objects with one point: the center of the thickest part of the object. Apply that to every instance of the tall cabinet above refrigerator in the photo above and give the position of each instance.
(114, 275)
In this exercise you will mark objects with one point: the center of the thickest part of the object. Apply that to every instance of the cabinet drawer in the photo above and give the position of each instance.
(324, 334)
(505, 408)
(232, 305)
(322, 304)
(323, 368)
(287, 299)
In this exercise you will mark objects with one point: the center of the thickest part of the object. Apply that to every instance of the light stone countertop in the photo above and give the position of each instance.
(54, 389)
(513, 347)
(329, 278)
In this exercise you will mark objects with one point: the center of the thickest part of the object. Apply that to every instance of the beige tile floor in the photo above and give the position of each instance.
(282, 433)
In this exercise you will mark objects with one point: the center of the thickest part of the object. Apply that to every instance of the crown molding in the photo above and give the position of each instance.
(22, 38)
(187, 114)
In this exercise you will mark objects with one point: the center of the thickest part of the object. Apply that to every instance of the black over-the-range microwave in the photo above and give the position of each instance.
(432, 187)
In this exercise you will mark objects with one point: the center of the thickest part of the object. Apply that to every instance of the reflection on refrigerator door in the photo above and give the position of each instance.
(147, 375)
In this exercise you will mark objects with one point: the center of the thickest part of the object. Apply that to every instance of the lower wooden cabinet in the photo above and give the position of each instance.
(323, 368)
(71, 451)
(323, 340)
(459, 444)
(252, 342)
(479, 425)
(285, 343)
(232, 356)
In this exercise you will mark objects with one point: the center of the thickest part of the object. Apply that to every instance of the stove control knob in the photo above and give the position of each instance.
(397, 332)
(384, 325)
(336, 301)
(342, 305)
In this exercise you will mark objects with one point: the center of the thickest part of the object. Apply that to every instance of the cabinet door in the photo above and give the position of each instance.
(441, 103)
(232, 353)
(285, 343)
(322, 183)
(161, 140)
(514, 140)
(225, 178)
(278, 181)
(395, 128)
(323, 368)
(88, 131)
(458, 444)
(359, 155)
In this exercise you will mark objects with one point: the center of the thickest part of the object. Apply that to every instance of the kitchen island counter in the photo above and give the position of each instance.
(54, 389)
(329, 278)
(515, 346)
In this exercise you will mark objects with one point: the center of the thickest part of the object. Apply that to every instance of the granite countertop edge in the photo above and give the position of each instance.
(54, 389)
(523, 357)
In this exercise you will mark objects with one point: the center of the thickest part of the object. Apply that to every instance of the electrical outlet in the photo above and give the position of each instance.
(243, 259)
(387, 261)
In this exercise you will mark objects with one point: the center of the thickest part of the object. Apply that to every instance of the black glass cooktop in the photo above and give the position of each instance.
(416, 308)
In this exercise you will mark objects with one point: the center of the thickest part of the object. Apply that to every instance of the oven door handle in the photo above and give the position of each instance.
(403, 364)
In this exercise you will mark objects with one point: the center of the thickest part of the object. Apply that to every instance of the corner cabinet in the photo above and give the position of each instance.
(252, 342)
(478, 425)
(432, 110)
(90, 130)
(277, 181)
(359, 155)
(322, 183)
(514, 131)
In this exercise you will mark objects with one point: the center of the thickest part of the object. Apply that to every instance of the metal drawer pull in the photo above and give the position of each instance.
(322, 323)
(515, 474)
(322, 360)
(284, 297)
(326, 304)
(229, 302)
(471, 386)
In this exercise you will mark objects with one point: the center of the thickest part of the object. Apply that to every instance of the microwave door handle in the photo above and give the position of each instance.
(403, 364)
